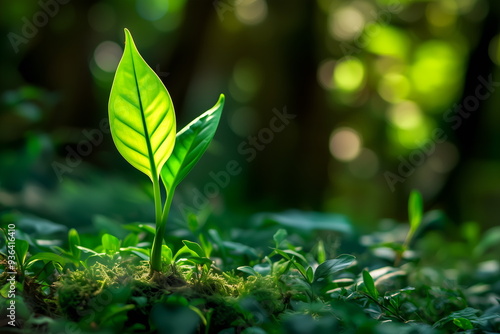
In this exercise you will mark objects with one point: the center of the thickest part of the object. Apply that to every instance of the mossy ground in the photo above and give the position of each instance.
(84, 296)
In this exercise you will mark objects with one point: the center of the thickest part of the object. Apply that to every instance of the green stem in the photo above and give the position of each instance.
(161, 224)
(166, 207)
(406, 244)
(155, 260)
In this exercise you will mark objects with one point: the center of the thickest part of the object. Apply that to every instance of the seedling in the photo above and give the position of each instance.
(142, 122)
(415, 213)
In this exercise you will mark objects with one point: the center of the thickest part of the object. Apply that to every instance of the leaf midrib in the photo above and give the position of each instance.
(143, 118)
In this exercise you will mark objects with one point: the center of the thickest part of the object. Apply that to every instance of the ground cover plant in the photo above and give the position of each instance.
(286, 272)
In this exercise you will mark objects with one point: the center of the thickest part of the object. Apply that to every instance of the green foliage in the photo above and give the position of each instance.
(370, 284)
(74, 242)
(415, 212)
(330, 267)
(109, 286)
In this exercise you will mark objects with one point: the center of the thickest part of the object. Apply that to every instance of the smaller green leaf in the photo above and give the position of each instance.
(279, 237)
(166, 253)
(192, 222)
(300, 268)
(131, 239)
(200, 314)
(463, 323)
(248, 270)
(321, 252)
(190, 144)
(90, 251)
(280, 252)
(415, 210)
(48, 257)
(310, 274)
(289, 265)
(22, 247)
(200, 260)
(206, 245)
(283, 268)
(110, 243)
(195, 248)
(74, 240)
(140, 252)
(330, 267)
(296, 254)
(183, 250)
(287, 252)
(370, 284)
(147, 228)
(63, 252)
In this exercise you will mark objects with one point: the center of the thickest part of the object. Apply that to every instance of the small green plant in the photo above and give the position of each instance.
(415, 214)
(142, 122)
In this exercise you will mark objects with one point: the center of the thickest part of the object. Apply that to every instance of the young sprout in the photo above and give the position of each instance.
(143, 127)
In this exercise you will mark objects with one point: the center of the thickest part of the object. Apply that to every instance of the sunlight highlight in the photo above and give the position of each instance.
(349, 74)
(405, 115)
(345, 144)
(346, 23)
(107, 56)
(251, 12)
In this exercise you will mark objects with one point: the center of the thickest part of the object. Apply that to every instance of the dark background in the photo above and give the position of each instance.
(381, 74)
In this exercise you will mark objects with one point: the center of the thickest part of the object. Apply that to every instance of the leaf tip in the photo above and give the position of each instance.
(222, 99)
(128, 36)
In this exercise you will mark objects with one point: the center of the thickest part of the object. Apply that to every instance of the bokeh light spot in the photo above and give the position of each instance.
(107, 56)
(394, 87)
(349, 74)
(494, 49)
(251, 12)
(345, 144)
(414, 136)
(405, 115)
(325, 73)
(346, 23)
(436, 61)
(386, 40)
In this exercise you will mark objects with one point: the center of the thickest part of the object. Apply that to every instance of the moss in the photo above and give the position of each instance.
(224, 296)
(266, 291)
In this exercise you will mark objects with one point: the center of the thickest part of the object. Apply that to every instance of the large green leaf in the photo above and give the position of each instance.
(141, 113)
(192, 141)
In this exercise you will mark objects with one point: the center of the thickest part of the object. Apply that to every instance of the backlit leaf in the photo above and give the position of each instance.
(191, 142)
(141, 113)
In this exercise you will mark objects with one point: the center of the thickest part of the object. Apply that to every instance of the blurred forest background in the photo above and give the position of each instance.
(370, 83)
